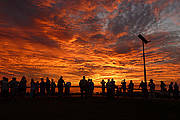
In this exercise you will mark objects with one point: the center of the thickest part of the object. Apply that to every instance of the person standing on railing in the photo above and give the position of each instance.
(83, 84)
(60, 86)
(4, 87)
(103, 83)
(53, 87)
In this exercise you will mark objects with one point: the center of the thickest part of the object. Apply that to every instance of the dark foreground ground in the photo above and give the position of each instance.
(72, 108)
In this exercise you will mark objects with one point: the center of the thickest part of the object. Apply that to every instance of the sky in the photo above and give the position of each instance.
(95, 38)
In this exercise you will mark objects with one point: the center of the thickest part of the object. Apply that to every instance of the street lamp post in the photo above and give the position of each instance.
(144, 41)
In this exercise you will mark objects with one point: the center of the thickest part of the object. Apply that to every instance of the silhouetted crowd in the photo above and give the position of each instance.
(37, 88)
(109, 88)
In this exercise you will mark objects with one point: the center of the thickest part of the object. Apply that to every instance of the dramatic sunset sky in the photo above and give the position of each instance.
(96, 38)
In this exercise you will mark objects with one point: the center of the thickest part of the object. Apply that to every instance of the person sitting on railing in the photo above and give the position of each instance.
(53, 87)
(83, 84)
(4, 87)
(103, 83)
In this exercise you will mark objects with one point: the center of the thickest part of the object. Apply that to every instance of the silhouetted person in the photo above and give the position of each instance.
(22, 86)
(67, 88)
(13, 84)
(163, 87)
(42, 87)
(131, 87)
(91, 86)
(123, 85)
(4, 87)
(103, 83)
(60, 86)
(112, 87)
(176, 90)
(53, 87)
(143, 86)
(152, 86)
(37, 87)
(170, 90)
(33, 87)
(83, 84)
(48, 84)
(108, 87)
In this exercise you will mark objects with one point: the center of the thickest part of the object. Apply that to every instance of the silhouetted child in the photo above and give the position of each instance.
(91, 87)
(67, 88)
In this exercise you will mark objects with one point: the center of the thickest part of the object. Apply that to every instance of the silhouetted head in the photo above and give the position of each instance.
(23, 78)
(108, 80)
(84, 77)
(171, 83)
(52, 80)
(32, 80)
(151, 80)
(14, 78)
(4, 78)
(42, 79)
(130, 81)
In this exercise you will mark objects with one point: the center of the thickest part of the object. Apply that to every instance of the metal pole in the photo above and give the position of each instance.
(144, 63)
